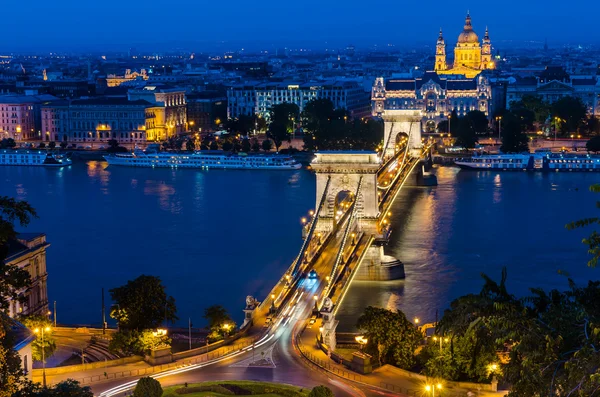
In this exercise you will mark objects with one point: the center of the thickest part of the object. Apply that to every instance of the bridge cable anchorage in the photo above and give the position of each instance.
(311, 229)
(353, 210)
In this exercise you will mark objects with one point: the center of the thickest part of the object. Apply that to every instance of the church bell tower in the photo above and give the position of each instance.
(440, 53)
(486, 52)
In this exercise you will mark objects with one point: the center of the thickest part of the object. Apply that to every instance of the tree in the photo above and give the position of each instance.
(479, 121)
(7, 143)
(217, 316)
(227, 145)
(571, 111)
(465, 133)
(593, 145)
(442, 127)
(36, 321)
(390, 336)
(592, 125)
(12, 279)
(190, 146)
(532, 109)
(42, 145)
(52, 145)
(255, 145)
(261, 124)
(267, 145)
(214, 145)
(204, 145)
(129, 342)
(66, 388)
(593, 240)
(283, 118)
(513, 138)
(113, 147)
(246, 146)
(321, 391)
(143, 304)
(147, 387)
(63, 145)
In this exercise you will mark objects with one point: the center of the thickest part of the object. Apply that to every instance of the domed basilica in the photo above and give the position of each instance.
(470, 57)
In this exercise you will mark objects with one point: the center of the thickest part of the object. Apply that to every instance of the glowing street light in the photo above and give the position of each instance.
(417, 320)
(361, 341)
(431, 389)
(42, 332)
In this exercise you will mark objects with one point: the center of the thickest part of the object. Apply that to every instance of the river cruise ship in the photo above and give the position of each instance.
(33, 157)
(204, 160)
(539, 161)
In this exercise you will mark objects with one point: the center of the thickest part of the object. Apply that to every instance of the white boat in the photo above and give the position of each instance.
(204, 160)
(33, 157)
(538, 161)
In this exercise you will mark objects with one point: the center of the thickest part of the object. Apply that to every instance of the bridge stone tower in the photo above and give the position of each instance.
(341, 172)
(402, 121)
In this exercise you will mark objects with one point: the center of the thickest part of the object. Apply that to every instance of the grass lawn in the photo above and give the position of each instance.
(235, 388)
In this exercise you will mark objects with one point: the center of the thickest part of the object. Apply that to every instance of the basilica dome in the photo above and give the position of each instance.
(468, 35)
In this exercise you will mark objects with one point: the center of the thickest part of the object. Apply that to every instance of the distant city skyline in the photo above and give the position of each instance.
(66, 25)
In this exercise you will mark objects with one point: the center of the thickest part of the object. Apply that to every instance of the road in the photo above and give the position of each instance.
(273, 359)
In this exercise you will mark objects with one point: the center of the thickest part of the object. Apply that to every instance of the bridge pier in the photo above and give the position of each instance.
(376, 266)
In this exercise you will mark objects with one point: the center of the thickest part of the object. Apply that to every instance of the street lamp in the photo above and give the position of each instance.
(226, 327)
(431, 389)
(417, 320)
(446, 340)
(499, 120)
(42, 331)
(361, 341)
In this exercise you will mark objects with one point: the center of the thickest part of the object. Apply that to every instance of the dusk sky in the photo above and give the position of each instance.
(112, 24)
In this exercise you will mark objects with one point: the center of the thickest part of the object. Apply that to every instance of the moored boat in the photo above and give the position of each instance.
(539, 161)
(204, 160)
(33, 157)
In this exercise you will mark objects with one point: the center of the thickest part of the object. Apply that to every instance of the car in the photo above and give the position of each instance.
(312, 274)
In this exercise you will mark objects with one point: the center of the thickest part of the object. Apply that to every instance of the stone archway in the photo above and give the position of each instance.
(340, 173)
(402, 121)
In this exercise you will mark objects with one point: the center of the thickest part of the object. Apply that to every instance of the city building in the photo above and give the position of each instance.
(258, 98)
(22, 339)
(98, 120)
(205, 110)
(55, 121)
(20, 116)
(554, 83)
(113, 80)
(170, 116)
(470, 56)
(435, 96)
(28, 252)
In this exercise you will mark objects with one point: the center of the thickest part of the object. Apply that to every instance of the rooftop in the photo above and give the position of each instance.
(110, 101)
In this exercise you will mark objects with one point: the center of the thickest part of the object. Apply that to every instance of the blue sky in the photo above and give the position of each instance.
(62, 24)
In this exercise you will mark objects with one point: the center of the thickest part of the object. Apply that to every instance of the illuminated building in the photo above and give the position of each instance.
(115, 81)
(20, 116)
(433, 95)
(203, 109)
(170, 113)
(28, 252)
(470, 56)
(258, 98)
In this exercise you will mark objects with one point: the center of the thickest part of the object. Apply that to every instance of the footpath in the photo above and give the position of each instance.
(385, 377)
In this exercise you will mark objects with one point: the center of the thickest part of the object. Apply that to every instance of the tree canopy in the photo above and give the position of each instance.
(593, 145)
(391, 337)
(283, 118)
(465, 133)
(327, 128)
(12, 279)
(148, 387)
(593, 240)
(513, 138)
(37, 321)
(571, 111)
(142, 304)
(321, 391)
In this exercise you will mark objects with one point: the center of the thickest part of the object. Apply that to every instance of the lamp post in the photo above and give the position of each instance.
(361, 341)
(435, 338)
(431, 389)
(42, 331)
(499, 120)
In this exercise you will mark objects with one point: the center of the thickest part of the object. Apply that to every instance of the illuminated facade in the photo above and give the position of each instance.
(28, 252)
(169, 121)
(19, 116)
(434, 96)
(115, 81)
(250, 99)
(470, 56)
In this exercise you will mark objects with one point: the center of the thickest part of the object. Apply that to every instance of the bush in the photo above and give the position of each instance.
(320, 391)
(211, 388)
(148, 387)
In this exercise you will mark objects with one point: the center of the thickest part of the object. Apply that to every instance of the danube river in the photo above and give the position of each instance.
(216, 236)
